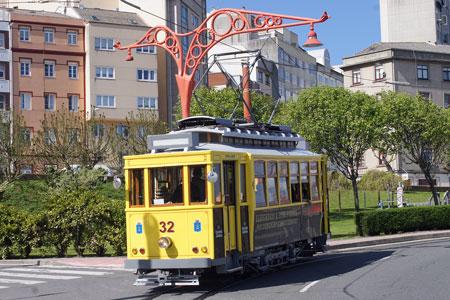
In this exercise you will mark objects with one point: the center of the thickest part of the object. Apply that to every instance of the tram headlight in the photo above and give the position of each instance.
(165, 242)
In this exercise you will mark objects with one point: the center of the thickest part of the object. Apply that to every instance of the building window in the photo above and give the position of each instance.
(146, 75)
(379, 73)
(2, 103)
(26, 170)
(25, 101)
(288, 77)
(184, 14)
(104, 72)
(104, 44)
(446, 100)
(25, 67)
(49, 101)
(49, 137)
(147, 103)
(194, 21)
(146, 49)
(2, 41)
(356, 76)
(72, 37)
(424, 182)
(2, 71)
(422, 72)
(25, 134)
(260, 77)
(73, 102)
(426, 95)
(267, 79)
(446, 74)
(106, 101)
(99, 130)
(73, 70)
(49, 69)
(122, 131)
(24, 34)
(49, 35)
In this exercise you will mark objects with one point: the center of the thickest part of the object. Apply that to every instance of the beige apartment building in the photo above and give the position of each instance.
(411, 68)
(48, 62)
(115, 87)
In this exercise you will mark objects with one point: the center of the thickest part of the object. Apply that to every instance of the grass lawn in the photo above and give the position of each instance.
(343, 223)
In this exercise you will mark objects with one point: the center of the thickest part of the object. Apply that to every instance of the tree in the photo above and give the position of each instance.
(421, 130)
(67, 138)
(132, 138)
(228, 98)
(336, 122)
(15, 141)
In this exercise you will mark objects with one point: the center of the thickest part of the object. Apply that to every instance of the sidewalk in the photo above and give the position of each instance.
(117, 262)
(385, 239)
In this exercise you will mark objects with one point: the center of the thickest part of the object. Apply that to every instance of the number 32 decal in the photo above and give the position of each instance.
(166, 227)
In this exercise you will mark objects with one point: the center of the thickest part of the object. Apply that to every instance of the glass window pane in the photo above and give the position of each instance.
(259, 168)
(243, 197)
(306, 192)
(198, 183)
(284, 190)
(137, 188)
(314, 188)
(218, 185)
(304, 167)
(294, 168)
(260, 192)
(166, 185)
(273, 191)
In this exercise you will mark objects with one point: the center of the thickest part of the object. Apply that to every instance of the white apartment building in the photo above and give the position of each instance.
(415, 21)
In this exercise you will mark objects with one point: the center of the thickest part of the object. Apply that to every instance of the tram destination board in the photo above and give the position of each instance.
(277, 226)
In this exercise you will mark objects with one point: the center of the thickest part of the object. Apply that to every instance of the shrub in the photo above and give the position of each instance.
(396, 220)
(342, 183)
(117, 237)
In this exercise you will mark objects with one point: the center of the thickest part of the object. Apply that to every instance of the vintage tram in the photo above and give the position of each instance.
(224, 197)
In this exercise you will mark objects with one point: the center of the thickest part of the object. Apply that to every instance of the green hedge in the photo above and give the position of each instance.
(389, 221)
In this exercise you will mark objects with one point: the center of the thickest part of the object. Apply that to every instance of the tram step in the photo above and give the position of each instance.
(236, 269)
(164, 280)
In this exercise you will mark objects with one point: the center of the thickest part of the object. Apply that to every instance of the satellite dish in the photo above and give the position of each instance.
(212, 177)
(117, 183)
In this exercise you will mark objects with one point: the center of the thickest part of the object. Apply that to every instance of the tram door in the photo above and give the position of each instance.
(229, 186)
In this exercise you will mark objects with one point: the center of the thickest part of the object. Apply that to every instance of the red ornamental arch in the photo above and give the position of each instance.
(164, 37)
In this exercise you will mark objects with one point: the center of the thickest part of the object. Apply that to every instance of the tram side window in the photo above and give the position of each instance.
(284, 184)
(314, 181)
(295, 183)
(137, 188)
(243, 181)
(306, 189)
(166, 185)
(260, 186)
(217, 185)
(198, 183)
(272, 185)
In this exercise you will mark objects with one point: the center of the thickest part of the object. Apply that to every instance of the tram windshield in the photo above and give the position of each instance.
(166, 185)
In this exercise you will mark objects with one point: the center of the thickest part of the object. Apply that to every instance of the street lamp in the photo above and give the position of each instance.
(187, 63)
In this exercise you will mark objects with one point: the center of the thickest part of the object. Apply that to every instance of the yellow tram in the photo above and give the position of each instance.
(222, 197)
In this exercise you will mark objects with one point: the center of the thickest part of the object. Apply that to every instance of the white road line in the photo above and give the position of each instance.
(84, 267)
(40, 276)
(36, 270)
(4, 287)
(306, 288)
(2, 280)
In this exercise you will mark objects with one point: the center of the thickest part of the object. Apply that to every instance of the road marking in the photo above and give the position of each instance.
(306, 288)
(4, 287)
(40, 276)
(36, 270)
(112, 268)
(2, 280)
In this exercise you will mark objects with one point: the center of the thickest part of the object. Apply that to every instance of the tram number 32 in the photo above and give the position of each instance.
(166, 227)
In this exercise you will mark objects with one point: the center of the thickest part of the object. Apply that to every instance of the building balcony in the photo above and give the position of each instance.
(4, 86)
(5, 55)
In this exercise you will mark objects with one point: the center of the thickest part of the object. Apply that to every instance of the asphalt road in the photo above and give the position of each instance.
(410, 270)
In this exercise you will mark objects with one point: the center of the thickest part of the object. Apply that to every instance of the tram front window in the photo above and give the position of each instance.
(166, 185)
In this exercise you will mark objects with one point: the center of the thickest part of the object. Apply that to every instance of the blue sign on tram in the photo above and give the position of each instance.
(197, 226)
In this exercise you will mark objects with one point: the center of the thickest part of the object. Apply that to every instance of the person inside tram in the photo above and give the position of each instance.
(198, 186)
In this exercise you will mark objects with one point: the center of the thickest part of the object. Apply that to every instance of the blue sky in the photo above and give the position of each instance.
(354, 24)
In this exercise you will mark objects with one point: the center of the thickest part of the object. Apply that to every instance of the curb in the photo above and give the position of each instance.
(94, 262)
(381, 240)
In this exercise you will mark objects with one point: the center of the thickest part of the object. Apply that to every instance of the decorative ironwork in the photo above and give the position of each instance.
(164, 37)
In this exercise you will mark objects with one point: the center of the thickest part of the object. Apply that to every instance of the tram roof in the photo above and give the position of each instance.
(255, 151)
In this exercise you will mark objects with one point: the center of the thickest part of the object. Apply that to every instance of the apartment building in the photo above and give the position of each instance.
(115, 87)
(6, 101)
(179, 15)
(415, 21)
(326, 74)
(48, 63)
(411, 68)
